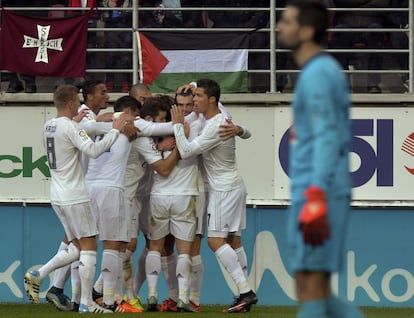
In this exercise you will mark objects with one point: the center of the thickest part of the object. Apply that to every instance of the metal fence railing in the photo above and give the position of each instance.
(273, 71)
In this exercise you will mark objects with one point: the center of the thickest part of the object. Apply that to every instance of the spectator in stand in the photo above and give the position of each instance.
(369, 40)
(118, 60)
(160, 18)
(95, 39)
(399, 40)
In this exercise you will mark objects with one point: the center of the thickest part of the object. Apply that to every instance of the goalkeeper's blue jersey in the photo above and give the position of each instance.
(320, 135)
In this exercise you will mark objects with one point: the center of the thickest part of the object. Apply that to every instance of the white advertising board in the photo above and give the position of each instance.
(382, 157)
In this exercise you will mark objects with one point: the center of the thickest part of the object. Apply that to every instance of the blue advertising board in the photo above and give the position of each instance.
(378, 263)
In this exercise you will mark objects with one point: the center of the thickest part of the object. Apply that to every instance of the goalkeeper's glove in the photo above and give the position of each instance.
(313, 218)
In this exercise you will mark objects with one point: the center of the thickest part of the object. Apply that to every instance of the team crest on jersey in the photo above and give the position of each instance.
(83, 135)
(89, 117)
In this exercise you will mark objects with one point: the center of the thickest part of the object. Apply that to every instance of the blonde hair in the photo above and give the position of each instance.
(63, 95)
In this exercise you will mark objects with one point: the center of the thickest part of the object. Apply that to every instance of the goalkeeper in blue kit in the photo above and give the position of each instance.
(319, 164)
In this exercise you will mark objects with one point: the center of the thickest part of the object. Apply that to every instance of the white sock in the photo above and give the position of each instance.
(87, 267)
(99, 284)
(61, 275)
(75, 282)
(153, 269)
(196, 280)
(110, 272)
(141, 274)
(127, 270)
(241, 255)
(62, 258)
(183, 273)
(228, 258)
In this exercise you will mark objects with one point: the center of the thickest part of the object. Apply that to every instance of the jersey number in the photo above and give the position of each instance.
(51, 154)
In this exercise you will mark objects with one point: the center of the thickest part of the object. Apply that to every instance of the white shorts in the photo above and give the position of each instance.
(78, 220)
(226, 211)
(201, 213)
(112, 221)
(144, 213)
(132, 215)
(173, 214)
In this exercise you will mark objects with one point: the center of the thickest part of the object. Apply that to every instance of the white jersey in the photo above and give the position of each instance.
(109, 168)
(183, 179)
(89, 118)
(145, 183)
(64, 139)
(135, 170)
(219, 156)
(246, 132)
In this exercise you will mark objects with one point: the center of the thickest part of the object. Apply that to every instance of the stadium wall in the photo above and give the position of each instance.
(378, 269)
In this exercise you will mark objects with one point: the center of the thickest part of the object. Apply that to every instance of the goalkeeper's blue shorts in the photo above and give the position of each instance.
(327, 257)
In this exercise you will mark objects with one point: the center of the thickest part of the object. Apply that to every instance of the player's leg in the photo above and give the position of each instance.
(183, 227)
(169, 267)
(110, 270)
(234, 239)
(196, 279)
(113, 231)
(183, 273)
(55, 294)
(225, 214)
(132, 213)
(197, 272)
(87, 268)
(153, 270)
(76, 286)
(338, 220)
(312, 290)
(33, 279)
(157, 232)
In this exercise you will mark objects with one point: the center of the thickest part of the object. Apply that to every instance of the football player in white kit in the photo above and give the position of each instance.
(227, 194)
(105, 182)
(185, 101)
(172, 212)
(95, 98)
(64, 139)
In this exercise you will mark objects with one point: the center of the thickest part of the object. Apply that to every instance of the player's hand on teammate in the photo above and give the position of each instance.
(229, 130)
(168, 143)
(186, 88)
(125, 124)
(313, 218)
(177, 115)
(80, 115)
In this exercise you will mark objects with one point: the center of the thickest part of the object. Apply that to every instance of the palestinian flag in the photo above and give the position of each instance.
(220, 56)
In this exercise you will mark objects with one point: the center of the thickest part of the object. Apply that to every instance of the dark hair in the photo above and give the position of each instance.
(89, 87)
(312, 13)
(211, 88)
(152, 106)
(168, 101)
(126, 102)
(64, 94)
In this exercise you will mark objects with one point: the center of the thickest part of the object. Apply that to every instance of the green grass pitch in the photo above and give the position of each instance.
(47, 310)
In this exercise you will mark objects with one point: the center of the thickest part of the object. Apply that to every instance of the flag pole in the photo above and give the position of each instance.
(139, 55)
(136, 61)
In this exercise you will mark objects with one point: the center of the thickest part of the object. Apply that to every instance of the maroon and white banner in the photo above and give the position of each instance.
(53, 47)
